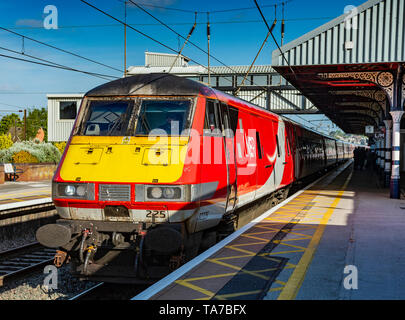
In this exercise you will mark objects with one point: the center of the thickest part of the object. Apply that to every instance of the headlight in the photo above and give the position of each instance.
(64, 190)
(165, 193)
(156, 192)
(70, 190)
(168, 193)
(81, 191)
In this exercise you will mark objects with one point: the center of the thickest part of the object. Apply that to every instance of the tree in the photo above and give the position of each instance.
(9, 121)
(36, 119)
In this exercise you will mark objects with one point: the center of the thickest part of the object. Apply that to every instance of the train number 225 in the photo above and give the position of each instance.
(157, 213)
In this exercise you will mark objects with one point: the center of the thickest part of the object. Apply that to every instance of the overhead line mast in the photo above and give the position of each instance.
(274, 39)
(125, 39)
(193, 44)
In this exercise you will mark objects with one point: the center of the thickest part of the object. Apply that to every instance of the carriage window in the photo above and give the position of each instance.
(107, 118)
(259, 146)
(168, 115)
(278, 146)
(233, 115)
(211, 123)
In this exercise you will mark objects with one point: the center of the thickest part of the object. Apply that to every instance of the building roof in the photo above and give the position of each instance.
(372, 32)
(64, 95)
(148, 84)
(200, 70)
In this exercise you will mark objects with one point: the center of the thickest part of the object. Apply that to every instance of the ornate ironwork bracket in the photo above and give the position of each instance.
(378, 96)
(384, 79)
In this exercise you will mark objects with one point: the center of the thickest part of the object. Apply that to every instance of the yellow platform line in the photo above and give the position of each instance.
(257, 238)
(284, 252)
(249, 243)
(212, 276)
(6, 196)
(295, 281)
(256, 233)
(236, 294)
(291, 245)
(184, 283)
(308, 236)
(293, 239)
(241, 250)
(235, 257)
(252, 273)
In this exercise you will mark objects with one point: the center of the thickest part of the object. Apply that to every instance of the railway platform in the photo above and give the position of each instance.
(340, 238)
(17, 194)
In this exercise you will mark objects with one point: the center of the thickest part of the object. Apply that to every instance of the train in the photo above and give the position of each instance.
(157, 169)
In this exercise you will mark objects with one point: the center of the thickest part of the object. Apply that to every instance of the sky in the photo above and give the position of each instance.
(236, 36)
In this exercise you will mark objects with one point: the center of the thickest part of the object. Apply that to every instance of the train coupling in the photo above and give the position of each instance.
(61, 257)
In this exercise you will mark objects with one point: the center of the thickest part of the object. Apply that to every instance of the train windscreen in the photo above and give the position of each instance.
(162, 116)
(107, 118)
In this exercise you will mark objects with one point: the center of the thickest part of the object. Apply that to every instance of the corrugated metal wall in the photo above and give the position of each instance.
(59, 130)
(375, 31)
(153, 59)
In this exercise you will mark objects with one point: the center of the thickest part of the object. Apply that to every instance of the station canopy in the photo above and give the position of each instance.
(352, 68)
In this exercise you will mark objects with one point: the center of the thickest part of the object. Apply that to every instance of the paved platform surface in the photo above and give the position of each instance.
(14, 192)
(366, 231)
(343, 230)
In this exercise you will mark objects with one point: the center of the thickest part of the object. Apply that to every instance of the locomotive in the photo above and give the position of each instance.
(157, 168)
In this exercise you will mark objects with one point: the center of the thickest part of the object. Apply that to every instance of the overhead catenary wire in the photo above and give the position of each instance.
(10, 105)
(60, 49)
(282, 25)
(140, 32)
(184, 44)
(212, 22)
(191, 43)
(208, 46)
(50, 65)
(147, 36)
(98, 75)
(254, 60)
(211, 11)
(274, 39)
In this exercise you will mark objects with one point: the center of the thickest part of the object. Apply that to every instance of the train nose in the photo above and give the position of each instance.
(53, 235)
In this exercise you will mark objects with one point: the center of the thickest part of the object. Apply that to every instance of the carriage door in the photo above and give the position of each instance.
(279, 167)
(229, 116)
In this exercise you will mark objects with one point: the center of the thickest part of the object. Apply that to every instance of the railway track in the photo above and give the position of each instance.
(22, 260)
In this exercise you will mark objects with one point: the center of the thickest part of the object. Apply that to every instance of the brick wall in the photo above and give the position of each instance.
(2, 176)
(35, 171)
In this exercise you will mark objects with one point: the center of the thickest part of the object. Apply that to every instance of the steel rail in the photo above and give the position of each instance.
(24, 259)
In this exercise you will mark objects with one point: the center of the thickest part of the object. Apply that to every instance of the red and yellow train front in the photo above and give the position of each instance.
(127, 161)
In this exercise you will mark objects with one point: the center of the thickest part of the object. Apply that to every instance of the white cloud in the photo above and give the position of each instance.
(160, 4)
(29, 23)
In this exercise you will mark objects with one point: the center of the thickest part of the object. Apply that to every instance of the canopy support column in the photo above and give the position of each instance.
(396, 151)
(388, 147)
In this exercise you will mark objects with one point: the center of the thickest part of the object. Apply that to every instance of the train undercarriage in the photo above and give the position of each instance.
(124, 252)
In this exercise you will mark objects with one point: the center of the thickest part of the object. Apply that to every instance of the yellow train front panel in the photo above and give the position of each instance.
(125, 159)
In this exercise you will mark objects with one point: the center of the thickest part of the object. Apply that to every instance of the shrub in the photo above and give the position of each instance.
(24, 157)
(5, 141)
(61, 146)
(43, 152)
